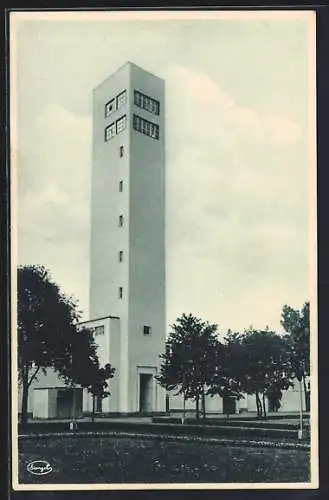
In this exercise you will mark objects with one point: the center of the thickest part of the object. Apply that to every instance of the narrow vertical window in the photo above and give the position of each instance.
(120, 292)
(109, 132)
(121, 151)
(121, 99)
(121, 124)
(120, 256)
(146, 330)
(120, 220)
(121, 186)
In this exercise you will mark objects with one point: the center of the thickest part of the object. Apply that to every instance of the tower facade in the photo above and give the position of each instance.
(127, 266)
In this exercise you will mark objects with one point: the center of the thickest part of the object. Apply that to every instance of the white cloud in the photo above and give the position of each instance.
(206, 107)
(236, 171)
(231, 204)
(53, 209)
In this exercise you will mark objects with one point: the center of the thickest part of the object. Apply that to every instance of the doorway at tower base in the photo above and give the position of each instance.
(144, 396)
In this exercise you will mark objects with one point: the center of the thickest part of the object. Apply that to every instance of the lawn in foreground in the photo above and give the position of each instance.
(114, 459)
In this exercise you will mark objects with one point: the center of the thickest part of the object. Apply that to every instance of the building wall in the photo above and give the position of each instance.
(52, 403)
(109, 352)
(146, 238)
(141, 274)
(40, 405)
(48, 380)
(107, 202)
(107, 274)
(291, 399)
(290, 402)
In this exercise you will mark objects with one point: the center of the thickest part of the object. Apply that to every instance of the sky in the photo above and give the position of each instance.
(238, 154)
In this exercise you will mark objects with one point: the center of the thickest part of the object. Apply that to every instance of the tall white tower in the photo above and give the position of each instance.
(127, 268)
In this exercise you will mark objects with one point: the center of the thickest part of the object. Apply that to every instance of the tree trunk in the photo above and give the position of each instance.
(25, 396)
(259, 406)
(93, 409)
(184, 408)
(264, 405)
(305, 395)
(203, 396)
(197, 407)
(167, 404)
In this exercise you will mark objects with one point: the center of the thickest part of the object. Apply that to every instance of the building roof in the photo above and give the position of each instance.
(98, 319)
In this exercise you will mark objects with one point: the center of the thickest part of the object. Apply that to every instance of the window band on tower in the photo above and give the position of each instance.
(145, 102)
(145, 127)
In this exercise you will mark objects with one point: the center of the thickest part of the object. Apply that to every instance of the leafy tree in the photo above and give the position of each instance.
(48, 335)
(274, 396)
(297, 325)
(84, 368)
(228, 374)
(189, 359)
(265, 365)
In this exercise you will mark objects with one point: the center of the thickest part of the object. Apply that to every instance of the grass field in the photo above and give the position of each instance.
(134, 460)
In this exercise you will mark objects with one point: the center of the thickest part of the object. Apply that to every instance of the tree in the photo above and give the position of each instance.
(189, 359)
(265, 365)
(297, 325)
(274, 396)
(228, 374)
(84, 368)
(48, 335)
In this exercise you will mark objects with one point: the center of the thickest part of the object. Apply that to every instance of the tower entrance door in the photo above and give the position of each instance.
(145, 392)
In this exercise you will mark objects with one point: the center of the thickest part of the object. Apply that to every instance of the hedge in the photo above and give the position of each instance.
(231, 423)
(164, 428)
(167, 437)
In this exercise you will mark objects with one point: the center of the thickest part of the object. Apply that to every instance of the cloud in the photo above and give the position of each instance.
(205, 107)
(236, 188)
(53, 176)
(235, 191)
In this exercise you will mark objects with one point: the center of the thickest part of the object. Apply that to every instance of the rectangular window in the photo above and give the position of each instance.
(109, 132)
(121, 186)
(121, 99)
(99, 330)
(120, 220)
(146, 330)
(121, 124)
(120, 256)
(121, 151)
(145, 127)
(145, 102)
(109, 107)
(120, 292)
(136, 122)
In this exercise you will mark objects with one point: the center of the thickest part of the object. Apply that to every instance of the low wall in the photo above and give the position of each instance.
(165, 428)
